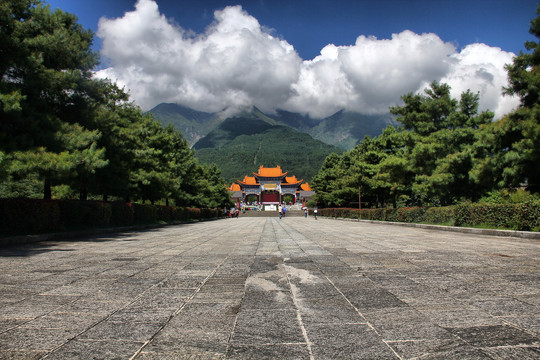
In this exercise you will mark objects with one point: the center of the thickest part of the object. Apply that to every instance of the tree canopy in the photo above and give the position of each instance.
(446, 151)
(79, 136)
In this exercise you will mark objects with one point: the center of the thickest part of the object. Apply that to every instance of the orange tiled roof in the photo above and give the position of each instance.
(291, 179)
(235, 187)
(305, 187)
(270, 172)
(249, 180)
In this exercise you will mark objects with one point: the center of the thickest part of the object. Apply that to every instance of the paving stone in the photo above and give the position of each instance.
(129, 331)
(270, 352)
(90, 349)
(356, 341)
(21, 354)
(259, 327)
(263, 288)
(194, 354)
(271, 299)
(517, 352)
(207, 317)
(23, 339)
(491, 336)
(189, 342)
(436, 349)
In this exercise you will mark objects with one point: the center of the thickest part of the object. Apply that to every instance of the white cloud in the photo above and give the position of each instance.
(237, 63)
(233, 64)
(480, 68)
(371, 75)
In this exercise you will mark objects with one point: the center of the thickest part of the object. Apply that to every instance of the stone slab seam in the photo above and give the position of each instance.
(465, 230)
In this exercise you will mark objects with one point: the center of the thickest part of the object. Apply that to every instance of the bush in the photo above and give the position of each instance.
(523, 216)
(193, 213)
(122, 213)
(164, 213)
(440, 215)
(145, 214)
(75, 214)
(29, 216)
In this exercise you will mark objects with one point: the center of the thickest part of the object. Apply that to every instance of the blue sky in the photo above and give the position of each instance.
(311, 57)
(310, 25)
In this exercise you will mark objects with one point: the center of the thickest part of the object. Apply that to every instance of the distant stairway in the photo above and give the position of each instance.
(290, 213)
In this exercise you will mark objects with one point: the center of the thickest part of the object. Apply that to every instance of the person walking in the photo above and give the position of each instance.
(305, 212)
(315, 212)
(280, 209)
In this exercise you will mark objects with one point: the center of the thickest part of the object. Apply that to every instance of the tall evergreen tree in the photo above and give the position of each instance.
(510, 148)
(45, 63)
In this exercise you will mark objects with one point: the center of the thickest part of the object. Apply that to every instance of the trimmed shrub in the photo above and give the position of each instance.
(440, 215)
(29, 216)
(180, 214)
(145, 214)
(75, 214)
(122, 213)
(525, 216)
(164, 213)
(193, 213)
(207, 213)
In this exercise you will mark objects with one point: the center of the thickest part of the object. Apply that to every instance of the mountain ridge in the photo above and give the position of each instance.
(343, 129)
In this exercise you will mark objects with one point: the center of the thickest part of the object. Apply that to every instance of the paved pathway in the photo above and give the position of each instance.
(255, 288)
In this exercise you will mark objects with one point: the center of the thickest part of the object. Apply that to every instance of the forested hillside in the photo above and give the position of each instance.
(343, 129)
(239, 146)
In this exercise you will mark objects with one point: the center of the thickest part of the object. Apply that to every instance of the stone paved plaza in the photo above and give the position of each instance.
(264, 288)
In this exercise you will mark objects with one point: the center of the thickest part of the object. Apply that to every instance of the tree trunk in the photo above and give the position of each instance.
(47, 193)
(105, 197)
(83, 193)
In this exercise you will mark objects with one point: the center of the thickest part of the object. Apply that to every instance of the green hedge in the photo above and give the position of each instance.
(525, 216)
(30, 216)
(76, 214)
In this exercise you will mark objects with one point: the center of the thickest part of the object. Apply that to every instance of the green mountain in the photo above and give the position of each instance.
(347, 129)
(246, 123)
(239, 145)
(343, 129)
(193, 124)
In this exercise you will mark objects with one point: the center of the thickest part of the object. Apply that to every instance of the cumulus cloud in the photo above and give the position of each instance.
(237, 63)
(480, 68)
(371, 75)
(233, 64)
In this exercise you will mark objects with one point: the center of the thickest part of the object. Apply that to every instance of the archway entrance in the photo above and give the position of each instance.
(289, 198)
(270, 197)
(252, 198)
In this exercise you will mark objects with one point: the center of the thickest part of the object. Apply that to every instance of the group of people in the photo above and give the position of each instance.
(233, 213)
(282, 209)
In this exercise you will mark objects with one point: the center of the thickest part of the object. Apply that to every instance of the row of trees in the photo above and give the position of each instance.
(446, 151)
(70, 132)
